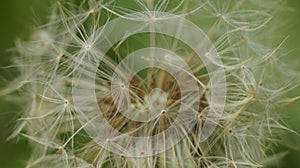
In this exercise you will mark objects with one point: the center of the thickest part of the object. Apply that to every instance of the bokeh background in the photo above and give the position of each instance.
(19, 17)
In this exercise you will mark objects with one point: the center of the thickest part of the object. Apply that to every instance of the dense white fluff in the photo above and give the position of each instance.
(198, 87)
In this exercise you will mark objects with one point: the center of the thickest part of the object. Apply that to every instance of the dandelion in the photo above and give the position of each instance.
(152, 84)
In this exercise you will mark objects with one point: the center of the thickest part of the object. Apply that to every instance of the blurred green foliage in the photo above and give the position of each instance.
(18, 17)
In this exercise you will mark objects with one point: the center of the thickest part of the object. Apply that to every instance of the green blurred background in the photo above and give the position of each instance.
(18, 17)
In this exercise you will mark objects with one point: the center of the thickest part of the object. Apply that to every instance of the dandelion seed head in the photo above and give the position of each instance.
(91, 11)
(230, 131)
(66, 102)
(200, 116)
(222, 16)
(163, 112)
(87, 47)
(156, 84)
(208, 54)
